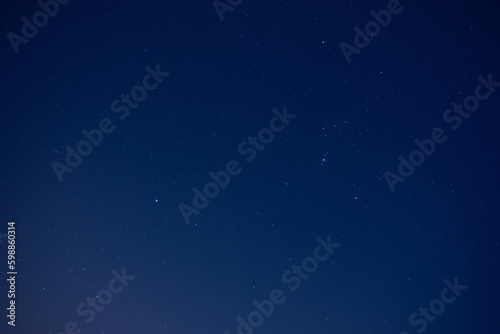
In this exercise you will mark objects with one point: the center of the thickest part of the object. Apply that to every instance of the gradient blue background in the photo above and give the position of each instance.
(322, 175)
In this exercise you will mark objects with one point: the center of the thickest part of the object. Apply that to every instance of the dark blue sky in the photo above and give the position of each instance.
(287, 144)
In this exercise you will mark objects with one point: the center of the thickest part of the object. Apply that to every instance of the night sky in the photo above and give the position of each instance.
(239, 167)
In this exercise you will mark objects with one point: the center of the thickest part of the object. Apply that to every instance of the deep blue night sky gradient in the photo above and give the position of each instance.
(119, 208)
